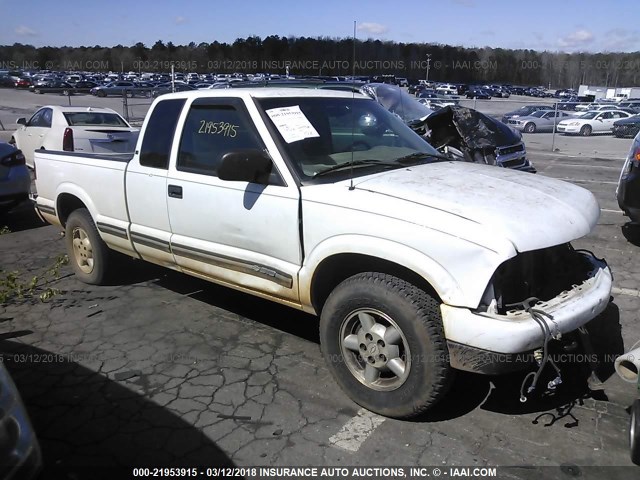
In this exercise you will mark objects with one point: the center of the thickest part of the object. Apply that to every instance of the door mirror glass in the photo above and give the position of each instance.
(21, 121)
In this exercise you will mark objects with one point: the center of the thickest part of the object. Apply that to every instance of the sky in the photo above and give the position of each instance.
(555, 25)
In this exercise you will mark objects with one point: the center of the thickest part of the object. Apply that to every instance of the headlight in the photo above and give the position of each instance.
(574, 124)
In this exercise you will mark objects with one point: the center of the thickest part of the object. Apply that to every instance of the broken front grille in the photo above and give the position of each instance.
(543, 274)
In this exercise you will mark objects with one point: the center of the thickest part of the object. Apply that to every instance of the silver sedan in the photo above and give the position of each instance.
(540, 121)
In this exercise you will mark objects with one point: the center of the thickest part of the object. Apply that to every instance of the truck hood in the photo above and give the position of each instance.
(530, 211)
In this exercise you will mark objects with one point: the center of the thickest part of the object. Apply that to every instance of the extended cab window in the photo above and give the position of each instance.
(158, 136)
(211, 131)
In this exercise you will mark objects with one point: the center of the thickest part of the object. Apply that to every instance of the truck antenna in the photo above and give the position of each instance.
(353, 96)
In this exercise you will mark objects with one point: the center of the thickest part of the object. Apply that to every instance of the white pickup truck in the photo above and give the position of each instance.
(325, 202)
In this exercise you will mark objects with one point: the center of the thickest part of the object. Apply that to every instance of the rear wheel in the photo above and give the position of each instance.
(383, 341)
(530, 127)
(586, 130)
(129, 93)
(88, 253)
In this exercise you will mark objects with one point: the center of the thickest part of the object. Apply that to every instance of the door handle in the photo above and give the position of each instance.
(175, 191)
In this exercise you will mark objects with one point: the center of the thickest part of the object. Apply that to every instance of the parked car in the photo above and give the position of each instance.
(626, 127)
(15, 181)
(20, 454)
(591, 122)
(83, 86)
(416, 265)
(179, 87)
(51, 86)
(23, 82)
(6, 82)
(628, 190)
(74, 129)
(539, 121)
(524, 111)
(120, 88)
(478, 93)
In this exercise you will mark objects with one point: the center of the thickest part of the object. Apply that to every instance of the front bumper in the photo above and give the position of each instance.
(516, 333)
(568, 129)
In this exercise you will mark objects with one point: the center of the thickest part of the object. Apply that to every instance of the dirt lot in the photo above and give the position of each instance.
(163, 369)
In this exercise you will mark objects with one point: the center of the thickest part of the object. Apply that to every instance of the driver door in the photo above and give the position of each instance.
(242, 234)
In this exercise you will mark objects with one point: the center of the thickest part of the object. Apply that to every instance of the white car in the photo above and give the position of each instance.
(590, 122)
(74, 129)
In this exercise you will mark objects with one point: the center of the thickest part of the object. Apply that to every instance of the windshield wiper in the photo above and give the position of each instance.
(355, 163)
(419, 156)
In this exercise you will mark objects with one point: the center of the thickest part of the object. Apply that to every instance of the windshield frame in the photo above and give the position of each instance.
(340, 175)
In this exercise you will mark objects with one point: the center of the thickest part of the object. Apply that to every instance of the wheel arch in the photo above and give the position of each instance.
(67, 202)
(336, 268)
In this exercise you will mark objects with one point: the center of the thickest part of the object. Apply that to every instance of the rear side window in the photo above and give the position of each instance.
(158, 136)
(211, 131)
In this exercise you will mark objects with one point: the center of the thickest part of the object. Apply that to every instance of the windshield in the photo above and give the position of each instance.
(397, 101)
(319, 134)
(95, 119)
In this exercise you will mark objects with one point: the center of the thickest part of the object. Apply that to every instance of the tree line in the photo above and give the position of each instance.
(335, 56)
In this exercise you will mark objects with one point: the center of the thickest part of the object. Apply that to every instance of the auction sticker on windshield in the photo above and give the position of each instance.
(292, 123)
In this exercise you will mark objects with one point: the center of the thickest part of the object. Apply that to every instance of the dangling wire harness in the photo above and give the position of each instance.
(539, 317)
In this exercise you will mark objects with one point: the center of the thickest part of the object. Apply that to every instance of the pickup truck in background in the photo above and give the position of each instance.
(326, 202)
(74, 129)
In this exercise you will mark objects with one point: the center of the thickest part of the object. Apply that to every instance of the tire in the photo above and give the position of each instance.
(383, 341)
(129, 93)
(634, 432)
(101, 93)
(88, 254)
(66, 93)
(37, 91)
(148, 94)
(586, 130)
(530, 127)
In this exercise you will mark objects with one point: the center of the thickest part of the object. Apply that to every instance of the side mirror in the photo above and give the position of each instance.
(21, 121)
(250, 165)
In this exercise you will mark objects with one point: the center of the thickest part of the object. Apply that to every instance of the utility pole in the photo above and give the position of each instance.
(428, 65)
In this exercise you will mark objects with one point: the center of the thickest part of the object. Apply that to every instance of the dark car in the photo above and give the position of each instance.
(6, 82)
(51, 86)
(569, 103)
(20, 455)
(84, 86)
(478, 93)
(628, 191)
(166, 88)
(15, 181)
(524, 111)
(627, 127)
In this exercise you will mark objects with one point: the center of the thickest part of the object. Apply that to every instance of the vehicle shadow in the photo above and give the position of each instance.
(90, 426)
(631, 232)
(21, 217)
(502, 394)
(280, 317)
(469, 391)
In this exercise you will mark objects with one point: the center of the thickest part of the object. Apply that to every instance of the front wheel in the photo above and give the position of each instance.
(383, 341)
(530, 127)
(585, 131)
(88, 253)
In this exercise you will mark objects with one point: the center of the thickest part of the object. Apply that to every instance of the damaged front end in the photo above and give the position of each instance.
(469, 135)
(532, 299)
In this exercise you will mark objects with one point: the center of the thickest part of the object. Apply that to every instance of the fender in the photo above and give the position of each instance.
(434, 273)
